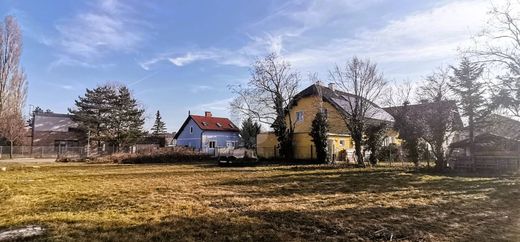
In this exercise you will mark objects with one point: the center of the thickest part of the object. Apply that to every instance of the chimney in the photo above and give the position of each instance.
(332, 86)
(207, 114)
(318, 82)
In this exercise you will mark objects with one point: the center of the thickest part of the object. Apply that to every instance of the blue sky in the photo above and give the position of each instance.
(182, 55)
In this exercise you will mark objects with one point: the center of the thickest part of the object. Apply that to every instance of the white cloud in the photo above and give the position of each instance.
(432, 35)
(219, 106)
(310, 35)
(65, 60)
(191, 57)
(108, 27)
(200, 88)
(241, 57)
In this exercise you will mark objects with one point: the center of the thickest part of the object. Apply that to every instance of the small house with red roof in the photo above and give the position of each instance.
(206, 133)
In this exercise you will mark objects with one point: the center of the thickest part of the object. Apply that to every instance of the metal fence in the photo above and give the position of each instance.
(54, 152)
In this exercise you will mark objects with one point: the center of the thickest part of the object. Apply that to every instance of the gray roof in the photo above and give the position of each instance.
(340, 100)
(501, 126)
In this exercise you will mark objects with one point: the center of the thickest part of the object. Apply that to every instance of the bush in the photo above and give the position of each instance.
(69, 159)
(163, 155)
(389, 153)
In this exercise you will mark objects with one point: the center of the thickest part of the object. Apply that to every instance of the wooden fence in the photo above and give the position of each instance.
(488, 163)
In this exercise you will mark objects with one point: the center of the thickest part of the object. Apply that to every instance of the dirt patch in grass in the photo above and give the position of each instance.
(200, 201)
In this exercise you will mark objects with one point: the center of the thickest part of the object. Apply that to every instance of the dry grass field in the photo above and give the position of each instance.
(200, 201)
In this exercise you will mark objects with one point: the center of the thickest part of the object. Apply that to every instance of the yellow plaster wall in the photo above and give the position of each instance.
(303, 145)
(310, 106)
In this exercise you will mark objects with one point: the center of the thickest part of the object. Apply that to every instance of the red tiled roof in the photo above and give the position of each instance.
(214, 123)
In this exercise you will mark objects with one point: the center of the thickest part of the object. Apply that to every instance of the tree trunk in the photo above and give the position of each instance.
(471, 142)
(11, 150)
(358, 149)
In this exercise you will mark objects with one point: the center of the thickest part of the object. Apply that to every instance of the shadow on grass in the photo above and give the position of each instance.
(415, 223)
(329, 180)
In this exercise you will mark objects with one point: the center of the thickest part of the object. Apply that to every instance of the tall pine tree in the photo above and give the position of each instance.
(109, 114)
(159, 127)
(468, 87)
(93, 110)
(128, 119)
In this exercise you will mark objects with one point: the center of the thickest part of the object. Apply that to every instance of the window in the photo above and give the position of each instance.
(191, 130)
(212, 144)
(342, 142)
(204, 123)
(63, 145)
(299, 116)
(231, 125)
(219, 125)
(230, 144)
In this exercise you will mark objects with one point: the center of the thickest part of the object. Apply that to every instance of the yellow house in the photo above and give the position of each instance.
(303, 110)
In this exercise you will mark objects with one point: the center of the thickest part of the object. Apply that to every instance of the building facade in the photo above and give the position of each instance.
(58, 130)
(207, 133)
(302, 112)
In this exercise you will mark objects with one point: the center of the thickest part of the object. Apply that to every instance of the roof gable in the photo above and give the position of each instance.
(214, 123)
(419, 110)
(209, 124)
(339, 100)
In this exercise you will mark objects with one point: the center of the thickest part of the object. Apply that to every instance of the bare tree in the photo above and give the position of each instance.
(13, 128)
(440, 116)
(13, 86)
(499, 46)
(10, 51)
(398, 94)
(266, 98)
(362, 79)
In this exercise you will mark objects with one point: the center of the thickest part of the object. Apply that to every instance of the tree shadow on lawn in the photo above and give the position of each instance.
(371, 181)
(462, 208)
(198, 227)
(417, 223)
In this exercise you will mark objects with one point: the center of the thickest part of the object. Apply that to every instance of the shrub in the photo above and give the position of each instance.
(389, 153)
(163, 155)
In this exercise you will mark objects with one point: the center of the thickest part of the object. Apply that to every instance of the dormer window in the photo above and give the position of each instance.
(219, 125)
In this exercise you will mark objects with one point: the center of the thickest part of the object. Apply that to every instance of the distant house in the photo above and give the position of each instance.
(427, 109)
(496, 146)
(206, 133)
(170, 139)
(58, 130)
(303, 110)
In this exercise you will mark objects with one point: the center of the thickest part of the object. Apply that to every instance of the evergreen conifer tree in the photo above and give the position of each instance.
(109, 114)
(374, 141)
(318, 133)
(469, 89)
(249, 131)
(159, 127)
